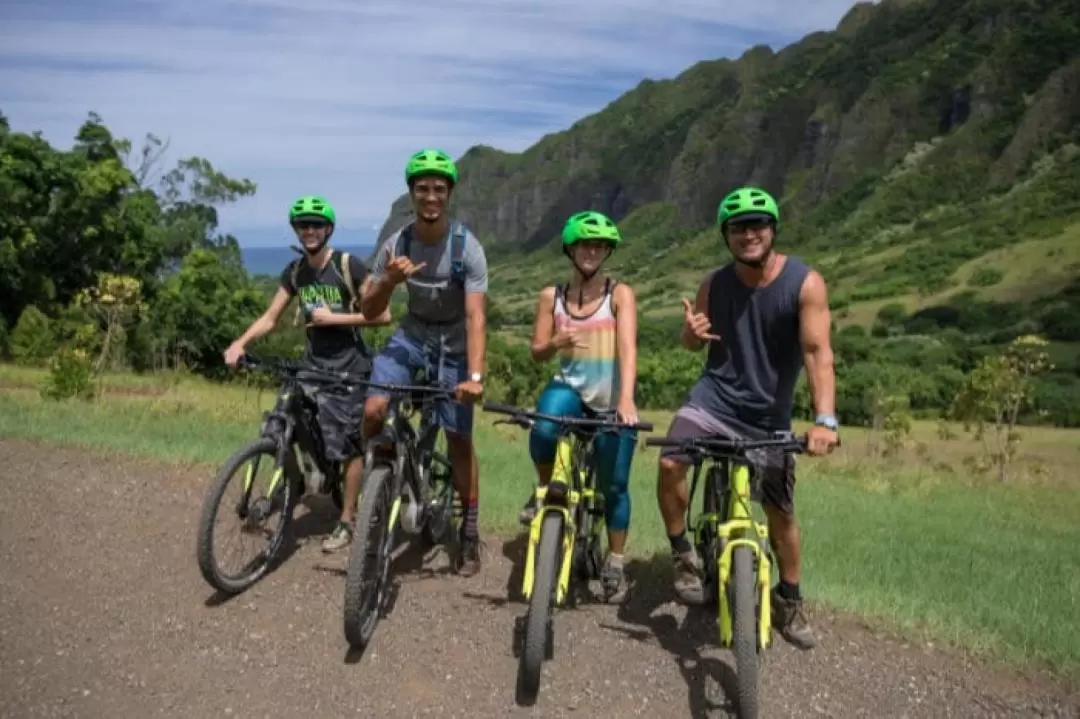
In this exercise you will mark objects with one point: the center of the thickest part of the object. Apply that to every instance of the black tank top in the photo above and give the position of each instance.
(749, 378)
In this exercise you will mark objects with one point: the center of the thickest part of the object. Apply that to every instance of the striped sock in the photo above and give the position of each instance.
(471, 514)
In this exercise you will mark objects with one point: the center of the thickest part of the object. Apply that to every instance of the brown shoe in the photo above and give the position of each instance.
(688, 573)
(469, 562)
(790, 620)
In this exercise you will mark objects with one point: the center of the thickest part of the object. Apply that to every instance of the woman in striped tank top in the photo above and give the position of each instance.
(591, 324)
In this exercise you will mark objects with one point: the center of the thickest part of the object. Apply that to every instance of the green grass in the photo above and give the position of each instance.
(931, 551)
(1030, 269)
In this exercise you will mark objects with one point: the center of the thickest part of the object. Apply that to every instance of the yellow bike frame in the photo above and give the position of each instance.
(560, 473)
(740, 528)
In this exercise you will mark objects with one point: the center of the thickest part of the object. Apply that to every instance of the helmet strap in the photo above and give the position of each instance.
(585, 276)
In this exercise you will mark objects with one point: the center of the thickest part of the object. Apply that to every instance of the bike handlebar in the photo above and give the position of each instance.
(295, 368)
(724, 446)
(299, 370)
(525, 418)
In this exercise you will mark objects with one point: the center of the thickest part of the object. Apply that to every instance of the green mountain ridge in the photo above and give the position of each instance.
(915, 149)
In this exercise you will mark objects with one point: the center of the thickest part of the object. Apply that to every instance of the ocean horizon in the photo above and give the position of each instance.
(272, 260)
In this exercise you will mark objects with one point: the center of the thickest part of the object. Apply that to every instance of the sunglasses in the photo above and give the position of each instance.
(310, 225)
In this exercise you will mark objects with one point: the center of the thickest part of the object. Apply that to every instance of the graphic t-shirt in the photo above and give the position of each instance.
(336, 347)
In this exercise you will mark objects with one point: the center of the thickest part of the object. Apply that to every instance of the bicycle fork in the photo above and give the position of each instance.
(738, 530)
(563, 499)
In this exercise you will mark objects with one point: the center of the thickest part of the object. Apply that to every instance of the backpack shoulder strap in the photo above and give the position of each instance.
(457, 252)
(294, 273)
(346, 274)
(406, 239)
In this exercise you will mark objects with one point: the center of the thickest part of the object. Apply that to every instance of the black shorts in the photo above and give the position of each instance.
(340, 416)
(773, 471)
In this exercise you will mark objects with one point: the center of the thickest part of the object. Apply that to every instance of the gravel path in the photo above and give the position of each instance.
(103, 614)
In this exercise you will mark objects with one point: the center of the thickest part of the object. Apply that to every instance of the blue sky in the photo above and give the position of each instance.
(331, 96)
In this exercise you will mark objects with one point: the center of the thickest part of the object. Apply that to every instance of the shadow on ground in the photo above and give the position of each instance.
(710, 681)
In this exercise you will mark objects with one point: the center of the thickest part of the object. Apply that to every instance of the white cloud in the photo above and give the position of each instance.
(331, 96)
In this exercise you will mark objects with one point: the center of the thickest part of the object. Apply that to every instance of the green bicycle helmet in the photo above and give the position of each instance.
(312, 206)
(590, 225)
(750, 203)
(431, 162)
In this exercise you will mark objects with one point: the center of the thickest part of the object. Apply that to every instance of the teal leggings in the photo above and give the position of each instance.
(614, 452)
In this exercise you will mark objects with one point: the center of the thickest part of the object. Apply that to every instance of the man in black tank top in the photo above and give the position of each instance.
(763, 317)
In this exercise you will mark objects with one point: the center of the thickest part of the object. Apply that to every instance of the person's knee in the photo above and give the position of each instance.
(542, 440)
(617, 502)
(671, 473)
(375, 409)
(781, 518)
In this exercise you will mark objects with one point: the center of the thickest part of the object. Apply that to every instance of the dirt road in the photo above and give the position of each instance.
(103, 614)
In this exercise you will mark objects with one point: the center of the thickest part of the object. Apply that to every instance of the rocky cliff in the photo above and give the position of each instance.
(975, 89)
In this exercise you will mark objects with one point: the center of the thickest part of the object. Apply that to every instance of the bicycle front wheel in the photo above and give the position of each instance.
(745, 630)
(538, 629)
(253, 510)
(369, 559)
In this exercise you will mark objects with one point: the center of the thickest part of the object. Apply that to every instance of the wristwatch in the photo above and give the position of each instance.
(476, 377)
(828, 421)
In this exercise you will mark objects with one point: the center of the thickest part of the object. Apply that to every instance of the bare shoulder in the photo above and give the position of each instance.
(813, 290)
(623, 292)
(622, 296)
(546, 297)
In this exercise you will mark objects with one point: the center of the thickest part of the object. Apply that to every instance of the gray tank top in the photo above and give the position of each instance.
(749, 378)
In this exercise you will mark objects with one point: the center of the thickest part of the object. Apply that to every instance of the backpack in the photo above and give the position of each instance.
(457, 249)
(340, 260)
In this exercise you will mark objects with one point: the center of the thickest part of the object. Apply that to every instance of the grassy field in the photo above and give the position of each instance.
(916, 541)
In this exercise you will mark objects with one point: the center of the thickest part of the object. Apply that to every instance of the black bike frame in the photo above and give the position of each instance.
(412, 451)
(292, 418)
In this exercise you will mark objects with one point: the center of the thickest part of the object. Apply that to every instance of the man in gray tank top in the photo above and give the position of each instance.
(763, 317)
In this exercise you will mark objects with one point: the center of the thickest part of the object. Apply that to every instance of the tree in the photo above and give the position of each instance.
(115, 301)
(204, 307)
(994, 395)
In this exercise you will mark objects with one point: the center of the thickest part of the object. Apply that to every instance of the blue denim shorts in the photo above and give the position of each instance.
(404, 355)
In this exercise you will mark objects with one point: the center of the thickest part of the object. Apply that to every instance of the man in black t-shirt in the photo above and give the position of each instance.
(320, 282)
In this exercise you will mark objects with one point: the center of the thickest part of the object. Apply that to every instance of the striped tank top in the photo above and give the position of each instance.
(593, 370)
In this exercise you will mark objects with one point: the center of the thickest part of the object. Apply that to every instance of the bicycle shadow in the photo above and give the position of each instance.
(412, 560)
(652, 590)
(317, 520)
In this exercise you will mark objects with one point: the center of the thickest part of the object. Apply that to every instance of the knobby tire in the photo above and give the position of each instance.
(212, 504)
(541, 605)
(745, 630)
(363, 600)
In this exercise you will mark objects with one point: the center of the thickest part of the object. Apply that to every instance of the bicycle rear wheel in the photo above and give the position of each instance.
(538, 629)
(365, 580)
(251, 513)
(745, 630)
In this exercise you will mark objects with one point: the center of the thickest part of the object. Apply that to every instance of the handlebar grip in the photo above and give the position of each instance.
(644, 426)
(500, 408)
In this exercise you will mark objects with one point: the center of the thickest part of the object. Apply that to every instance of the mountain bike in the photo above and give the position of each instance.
(734, 548)
(290, 437)
(401, 467)
(564, 547)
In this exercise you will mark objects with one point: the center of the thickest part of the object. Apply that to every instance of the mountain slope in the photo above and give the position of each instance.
(991, 83)
(918, 136)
